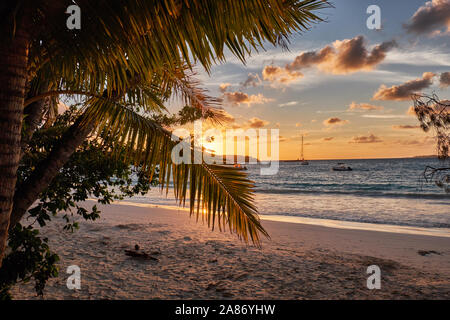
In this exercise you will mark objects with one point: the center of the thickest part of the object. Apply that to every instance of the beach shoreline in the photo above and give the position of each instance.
(300, 261)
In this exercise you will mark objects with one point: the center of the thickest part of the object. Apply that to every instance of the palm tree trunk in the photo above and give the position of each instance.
(34, 114)
(13, 76)
(28, 192)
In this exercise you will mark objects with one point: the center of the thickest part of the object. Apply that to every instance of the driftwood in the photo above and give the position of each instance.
(139, 255)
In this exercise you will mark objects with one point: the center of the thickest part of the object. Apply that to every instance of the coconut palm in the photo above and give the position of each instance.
(126, 61)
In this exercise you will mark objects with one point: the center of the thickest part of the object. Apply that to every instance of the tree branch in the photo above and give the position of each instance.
(28, 192)
(57, 93)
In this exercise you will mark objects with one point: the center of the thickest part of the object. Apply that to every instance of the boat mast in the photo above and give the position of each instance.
(303, 158)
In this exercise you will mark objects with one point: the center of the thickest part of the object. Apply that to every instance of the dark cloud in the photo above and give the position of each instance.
(366, 139)
(445, 79)
(431, 18)
(334, 121)
(346, 56)
(253, 80)
(328, 138)
(404, 91)
(402, 127)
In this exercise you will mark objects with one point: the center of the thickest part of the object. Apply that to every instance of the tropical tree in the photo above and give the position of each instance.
(434, 114)
(126, 61)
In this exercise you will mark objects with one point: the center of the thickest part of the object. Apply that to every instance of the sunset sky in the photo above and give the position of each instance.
(343, 86)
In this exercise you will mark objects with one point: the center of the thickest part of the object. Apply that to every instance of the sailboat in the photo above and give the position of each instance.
(303, 162)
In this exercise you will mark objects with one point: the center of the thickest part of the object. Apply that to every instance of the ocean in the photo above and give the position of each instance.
(378, 193)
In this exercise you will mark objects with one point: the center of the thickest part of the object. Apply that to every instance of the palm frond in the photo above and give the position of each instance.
(219, 195)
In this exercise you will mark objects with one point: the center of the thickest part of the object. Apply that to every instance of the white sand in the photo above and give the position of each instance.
(299, 262)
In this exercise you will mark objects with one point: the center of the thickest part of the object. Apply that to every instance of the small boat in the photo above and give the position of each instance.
(303, 162)
(239, 167)
(342, 167)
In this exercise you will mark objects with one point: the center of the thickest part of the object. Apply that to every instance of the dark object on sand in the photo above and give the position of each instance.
(425, 253)
(140, 255)
(136, 247)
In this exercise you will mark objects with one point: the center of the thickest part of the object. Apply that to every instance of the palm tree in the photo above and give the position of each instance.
(127, 59)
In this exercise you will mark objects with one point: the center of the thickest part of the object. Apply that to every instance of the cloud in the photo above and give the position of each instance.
(366, 139)
(402, 127)
(410, 111)
(237, 98)
(277, 74)
(431, 18)
(445, 79)
(343, 56)
(288, 104)
(328, 139)
(224, 87)
(224, 116)
(363, 106)
(257, 123)
(253, 80)
(423, 141)
(385, 116)
(404, 91)
(334, 121)
(298, 124)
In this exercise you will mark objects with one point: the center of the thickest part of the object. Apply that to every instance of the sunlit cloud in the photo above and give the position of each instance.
(366, 139)
(363, 106)
(277, 74)
(224, 87)
(238, 98)
(288, 104)
(404, 91)
(257, 123)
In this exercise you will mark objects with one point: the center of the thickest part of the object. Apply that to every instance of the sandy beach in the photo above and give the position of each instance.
(299, 261)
